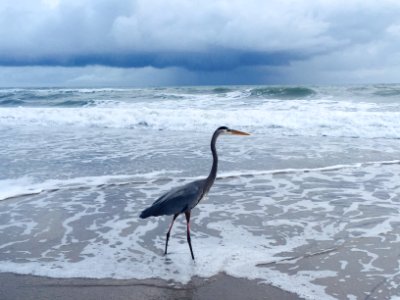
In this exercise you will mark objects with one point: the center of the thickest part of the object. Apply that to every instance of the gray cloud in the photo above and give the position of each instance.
(275, 39)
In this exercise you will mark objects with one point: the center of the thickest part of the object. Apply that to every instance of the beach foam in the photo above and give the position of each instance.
(315, 120)
(13, 188)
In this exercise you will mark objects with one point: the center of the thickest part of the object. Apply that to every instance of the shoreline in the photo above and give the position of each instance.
(18, 287)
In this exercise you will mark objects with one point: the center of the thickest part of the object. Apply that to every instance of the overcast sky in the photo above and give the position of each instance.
(176, 42)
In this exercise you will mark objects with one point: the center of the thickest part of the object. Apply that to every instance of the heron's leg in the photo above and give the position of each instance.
(187, 214)
(169, 230)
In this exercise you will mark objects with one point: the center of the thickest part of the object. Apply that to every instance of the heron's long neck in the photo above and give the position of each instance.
(214, 168)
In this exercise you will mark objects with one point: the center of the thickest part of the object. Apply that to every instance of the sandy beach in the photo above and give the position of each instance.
(26, 287)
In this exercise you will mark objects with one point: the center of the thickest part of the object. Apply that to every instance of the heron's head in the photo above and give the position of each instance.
(226, 130)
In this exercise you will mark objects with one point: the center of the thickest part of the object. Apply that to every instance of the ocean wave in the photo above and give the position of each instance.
(283, 92)
(55, 97)
(74, 103)
(189, 96)
(222, 90)
(384, 92)
(388, 92)
(288, 111)
(271, 118)
(11, 102)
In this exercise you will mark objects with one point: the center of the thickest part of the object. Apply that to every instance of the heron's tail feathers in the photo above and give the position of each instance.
(152, 211)
(146, 213)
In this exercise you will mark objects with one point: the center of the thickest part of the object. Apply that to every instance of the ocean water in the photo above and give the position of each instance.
(311, 197)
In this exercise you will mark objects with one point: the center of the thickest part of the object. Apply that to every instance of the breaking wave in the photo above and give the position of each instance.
(281, 110)
(273, 118)
(283, 92)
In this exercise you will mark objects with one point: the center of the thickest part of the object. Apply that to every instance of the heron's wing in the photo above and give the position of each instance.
(176, 201)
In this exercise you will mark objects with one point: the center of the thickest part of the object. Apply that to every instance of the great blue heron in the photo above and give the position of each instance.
(182, 199)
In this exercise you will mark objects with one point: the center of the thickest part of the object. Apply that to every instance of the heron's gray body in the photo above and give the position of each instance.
(178, 200)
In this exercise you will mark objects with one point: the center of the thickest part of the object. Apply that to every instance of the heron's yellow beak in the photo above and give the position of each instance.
(237, 132)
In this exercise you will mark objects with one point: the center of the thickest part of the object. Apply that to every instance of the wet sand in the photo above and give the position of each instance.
(222, 286)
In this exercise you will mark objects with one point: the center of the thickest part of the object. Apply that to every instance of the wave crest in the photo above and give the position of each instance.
(283, 92)
(272, 118)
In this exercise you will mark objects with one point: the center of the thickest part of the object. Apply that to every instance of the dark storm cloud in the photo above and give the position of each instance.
(195, 35)
(193, 61)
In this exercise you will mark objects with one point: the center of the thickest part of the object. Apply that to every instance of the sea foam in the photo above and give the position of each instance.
(23, 186)
(293, 119)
